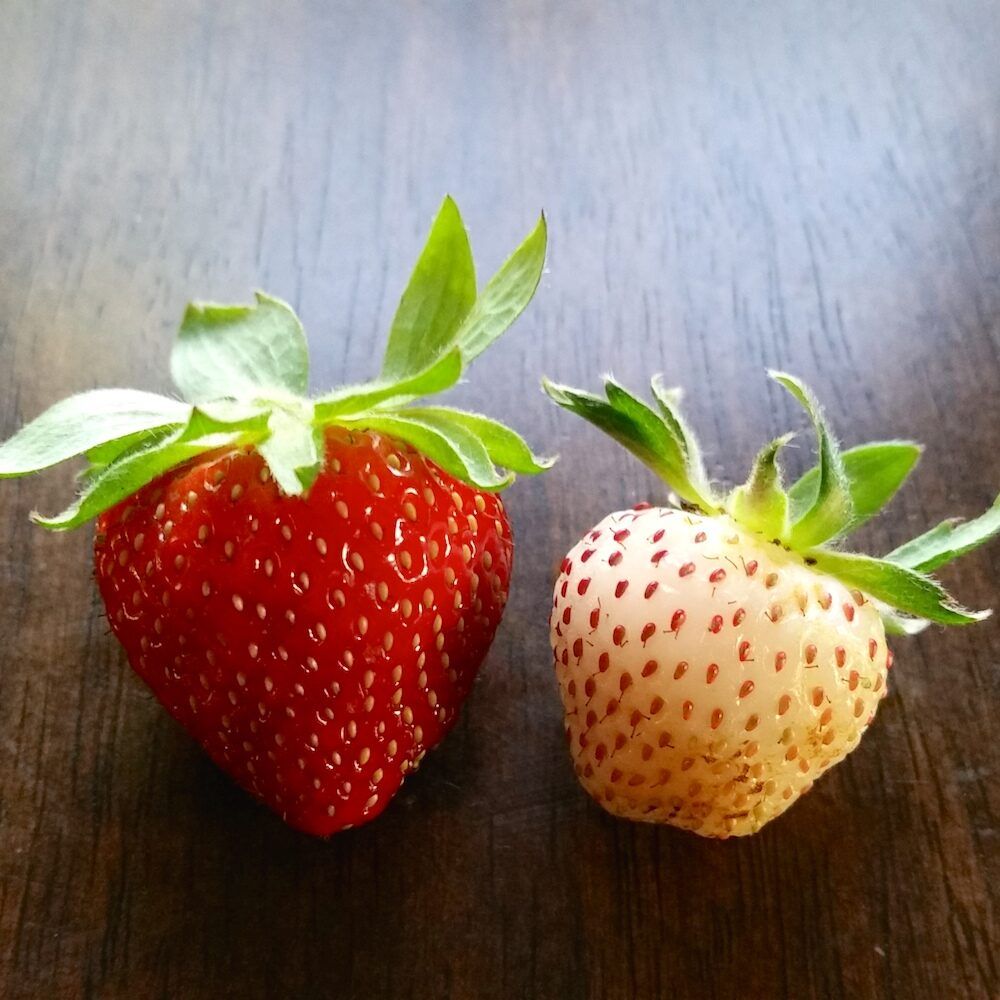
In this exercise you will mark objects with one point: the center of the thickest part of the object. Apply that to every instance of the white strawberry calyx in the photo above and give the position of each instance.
(812, 516)
(243, 373)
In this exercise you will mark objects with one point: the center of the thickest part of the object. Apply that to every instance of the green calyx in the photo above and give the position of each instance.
(813, 515)
(243, 373)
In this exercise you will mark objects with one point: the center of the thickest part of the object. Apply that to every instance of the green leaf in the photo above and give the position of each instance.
(99, 458)
(633, 424)
(246, 352)
(222, 410)
(874, 473)
(86, 421)
(104, 454)
(830, 512)
(505, 296)
(669, 402)
(122, 478)
(761, 503)
(505, 447)
(896, 586)
(441, 291)
(652, 445)
(948, 540)
(292, 450)
(458, 451)
(439, 375)
(659, 432)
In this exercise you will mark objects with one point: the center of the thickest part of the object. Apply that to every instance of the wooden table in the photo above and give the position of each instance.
(729, 187)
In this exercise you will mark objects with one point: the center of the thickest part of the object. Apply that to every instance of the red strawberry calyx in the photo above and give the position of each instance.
(243, 373)
(812, 516)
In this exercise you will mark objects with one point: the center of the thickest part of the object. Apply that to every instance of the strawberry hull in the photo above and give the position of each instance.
(315, 646)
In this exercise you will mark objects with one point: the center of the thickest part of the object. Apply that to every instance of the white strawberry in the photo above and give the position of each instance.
(714, 658)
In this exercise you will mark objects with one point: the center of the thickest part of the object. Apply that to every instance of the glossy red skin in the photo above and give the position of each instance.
(287, 678)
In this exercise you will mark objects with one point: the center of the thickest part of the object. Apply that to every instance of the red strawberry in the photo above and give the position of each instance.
(713, 664)
(315, 646)
(309, 587)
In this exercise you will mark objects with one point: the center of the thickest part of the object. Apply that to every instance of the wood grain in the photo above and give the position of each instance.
(729, 186)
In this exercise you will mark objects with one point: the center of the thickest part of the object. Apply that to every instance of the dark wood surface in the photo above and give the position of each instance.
(729, 186)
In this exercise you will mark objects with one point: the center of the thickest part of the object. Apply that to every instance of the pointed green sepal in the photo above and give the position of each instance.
(240, 352)
(440, 294)
(505, 447)
(668, 401)
(660, 434)
(293, 449)
(87, 422)
(99, 458)
(440, 308)
(122, 478)
(831, 511)
(354, 399)
(948, 540)
(761, 503)
(506, 295)
(651, 437)
(459, 452)
(874, 473)
(899, 588)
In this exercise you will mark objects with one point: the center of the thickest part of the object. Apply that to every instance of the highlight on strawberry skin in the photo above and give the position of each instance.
(718, 654)
(308, 584)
